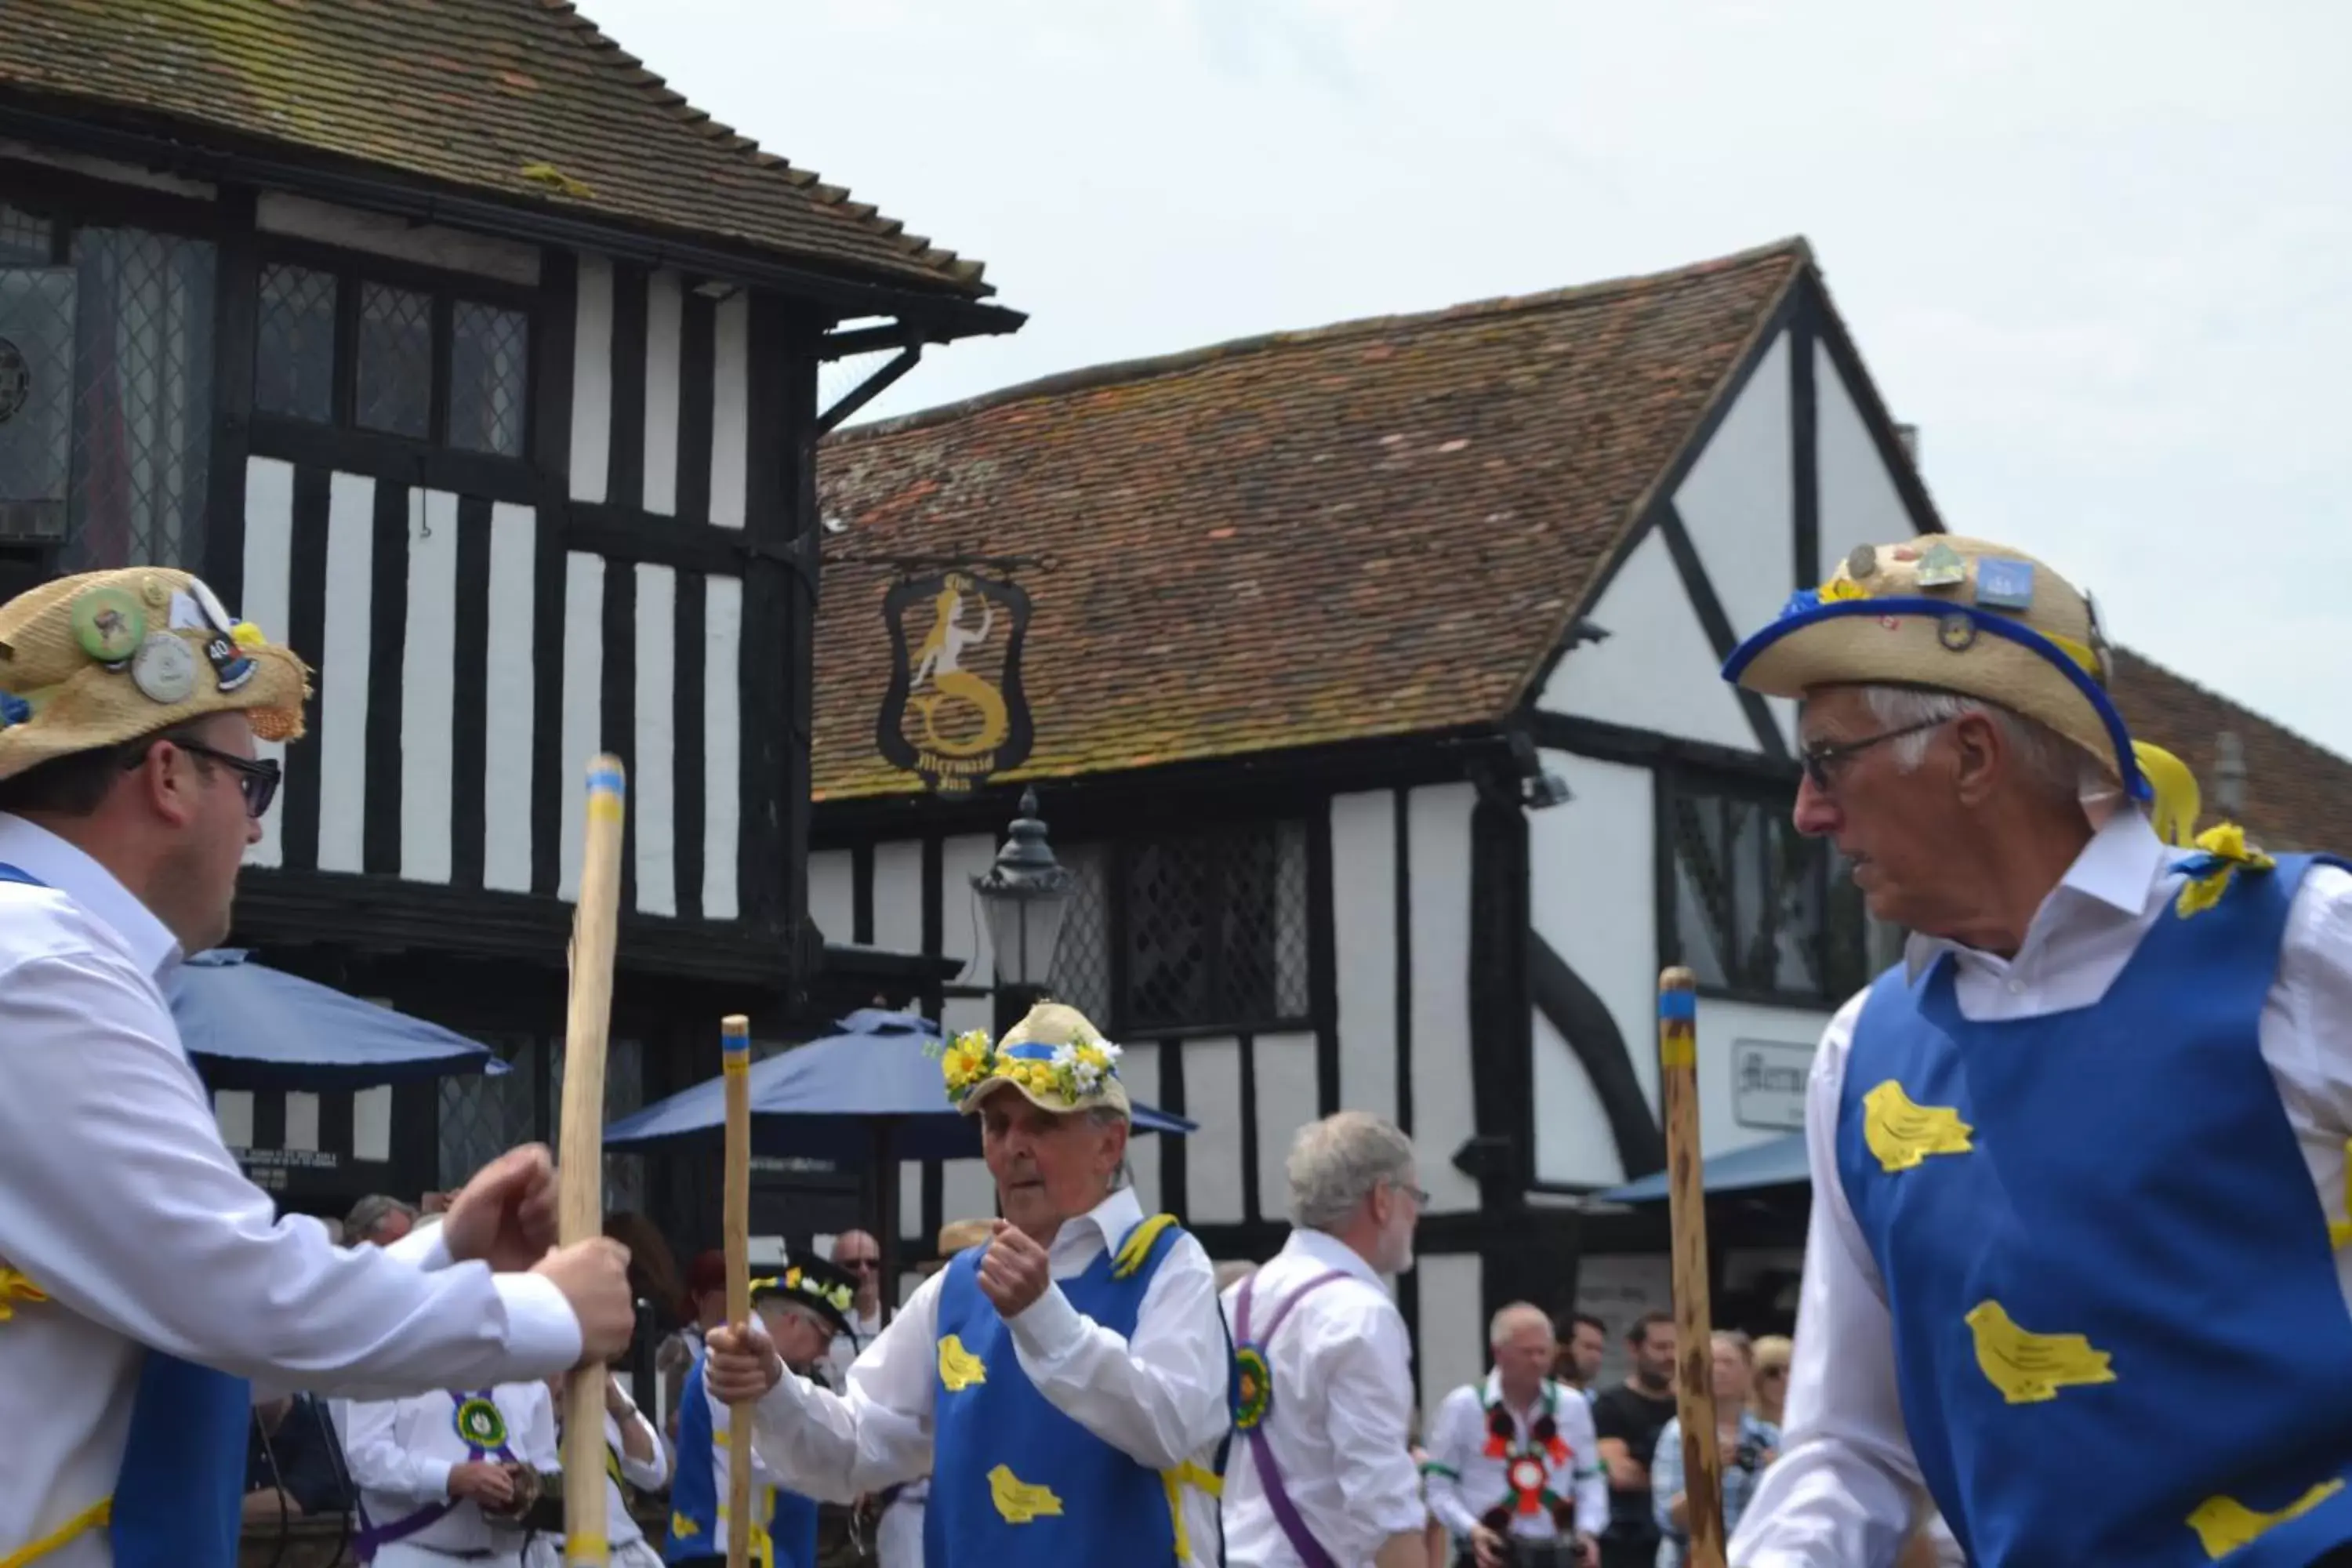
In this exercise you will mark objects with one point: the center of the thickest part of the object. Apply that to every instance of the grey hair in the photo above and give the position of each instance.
(2056, 764)
(1105, 1116)
(1518, 1314)
(368, 1214)
(1337, 1163)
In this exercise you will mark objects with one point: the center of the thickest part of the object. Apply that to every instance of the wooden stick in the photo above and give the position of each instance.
(735, 1051)
(1694, 1331)
(580, 1155)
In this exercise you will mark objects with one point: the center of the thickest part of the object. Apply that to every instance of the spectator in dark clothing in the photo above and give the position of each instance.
(1627, 1420)
(292, 1465)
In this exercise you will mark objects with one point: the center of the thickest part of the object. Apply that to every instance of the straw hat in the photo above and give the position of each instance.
(107, 657)
(1057, 1059)
(1952, 615)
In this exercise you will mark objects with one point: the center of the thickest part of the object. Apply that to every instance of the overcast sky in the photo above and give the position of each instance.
(2100, 253)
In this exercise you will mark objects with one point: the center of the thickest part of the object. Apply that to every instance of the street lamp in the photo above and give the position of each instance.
(1024, 895)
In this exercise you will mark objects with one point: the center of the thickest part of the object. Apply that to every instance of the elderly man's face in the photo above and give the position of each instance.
(1049, 1167)
(1900, 830)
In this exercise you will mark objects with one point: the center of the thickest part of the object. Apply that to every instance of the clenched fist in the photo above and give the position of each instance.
(594, 1275)
(740, 1363)
(1012, 1271)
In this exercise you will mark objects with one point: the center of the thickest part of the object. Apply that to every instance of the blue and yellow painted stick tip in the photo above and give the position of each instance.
(1677, 1007)
(735, 1034)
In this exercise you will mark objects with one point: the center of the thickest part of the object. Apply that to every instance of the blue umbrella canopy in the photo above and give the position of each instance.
(824, 1100)
(1780, 1162)
(252, 1026)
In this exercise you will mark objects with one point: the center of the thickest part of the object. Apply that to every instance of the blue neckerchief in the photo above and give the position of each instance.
(183, 1479)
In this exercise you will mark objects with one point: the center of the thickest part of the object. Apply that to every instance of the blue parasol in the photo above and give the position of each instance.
(825, 1100)
(1778, 1162)
(252, 1026)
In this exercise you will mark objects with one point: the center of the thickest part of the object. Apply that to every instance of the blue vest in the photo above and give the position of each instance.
(2119, 1334)
(1015, 1482)
(785, 1519)
(177, 1497)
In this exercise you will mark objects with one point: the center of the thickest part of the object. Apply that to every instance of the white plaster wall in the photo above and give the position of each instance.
(898, 896)
(1656, 670)
(268, 547)
(1364, 941)
(1444, 1116)
(1285, 1102)
(1738, 503)
(831, 898)
(1593, 896)
(1453, 1337)
(1860, 504)
(1213, 1156)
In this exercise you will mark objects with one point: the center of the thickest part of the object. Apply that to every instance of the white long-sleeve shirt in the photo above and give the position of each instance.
(120, 1205)
(645, 1475)
(1158, 1397)
(1842, 1494)
(1342, 1417)
(1465, 1481)
(400, 1453)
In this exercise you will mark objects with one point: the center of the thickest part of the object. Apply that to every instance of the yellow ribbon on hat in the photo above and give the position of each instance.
(2176, 803)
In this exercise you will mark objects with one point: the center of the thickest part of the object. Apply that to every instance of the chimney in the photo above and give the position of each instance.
(2228, 774)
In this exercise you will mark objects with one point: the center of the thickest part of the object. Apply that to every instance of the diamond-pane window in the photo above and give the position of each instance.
(625, 1091)
(489, 364)
(1216, 926)
(294, 362)
(1082, 954)
(23, 238)
(143, 398)
(395, 371)
(1759, 907)
(482, 1117)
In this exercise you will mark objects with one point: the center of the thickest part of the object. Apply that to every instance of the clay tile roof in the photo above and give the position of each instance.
(523, 100)
(1372, 529)
(2298, 795)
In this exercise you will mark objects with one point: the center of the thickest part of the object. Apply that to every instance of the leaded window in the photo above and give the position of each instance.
(416, 359)
(1183, 931)
(1757, 909)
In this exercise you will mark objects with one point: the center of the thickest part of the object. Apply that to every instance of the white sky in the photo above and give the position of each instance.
(2100, 253)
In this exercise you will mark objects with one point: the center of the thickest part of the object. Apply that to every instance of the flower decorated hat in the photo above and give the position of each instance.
(96, 660)
(1055, 1058)
(1952, 615)
(824, 1286)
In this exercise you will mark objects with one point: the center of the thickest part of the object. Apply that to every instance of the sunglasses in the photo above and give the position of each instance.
(257, 777)
(861, 1265)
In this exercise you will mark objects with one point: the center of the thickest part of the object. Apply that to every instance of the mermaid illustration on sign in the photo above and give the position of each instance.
(953, 724)
(941, 661)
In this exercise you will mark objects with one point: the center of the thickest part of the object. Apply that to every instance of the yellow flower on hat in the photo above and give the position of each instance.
(1838, 589)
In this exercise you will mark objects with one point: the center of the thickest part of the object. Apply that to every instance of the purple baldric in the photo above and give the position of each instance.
(372, 1538)
(1269, 1474)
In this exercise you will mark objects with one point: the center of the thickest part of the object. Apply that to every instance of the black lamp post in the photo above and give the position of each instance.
(1024, 895)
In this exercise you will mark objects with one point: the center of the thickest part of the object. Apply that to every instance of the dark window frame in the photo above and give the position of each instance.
(1841, 975)
(1123, 1019)
(444, 290)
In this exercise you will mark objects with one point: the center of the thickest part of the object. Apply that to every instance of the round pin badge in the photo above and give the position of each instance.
(156, 591)
(1862, 562)
(110, 624)
(164, 670)
(1957, 633)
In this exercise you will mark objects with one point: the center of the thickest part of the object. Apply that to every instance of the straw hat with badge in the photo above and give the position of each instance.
(105, 658)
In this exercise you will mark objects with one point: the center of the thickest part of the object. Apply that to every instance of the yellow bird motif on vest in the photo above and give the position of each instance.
(2028, 1367)
(1018, 1500)
(1902, 1133)
(2224, 1524)
(959, 1368)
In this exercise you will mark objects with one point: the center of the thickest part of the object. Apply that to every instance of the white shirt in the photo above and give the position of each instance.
(400, 1453)
(1458, 1442)
(1842, 1490)
(843, 1352)
(645, 1475)
(1342, 1413)
(1160, 1397)
(117, 1199)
